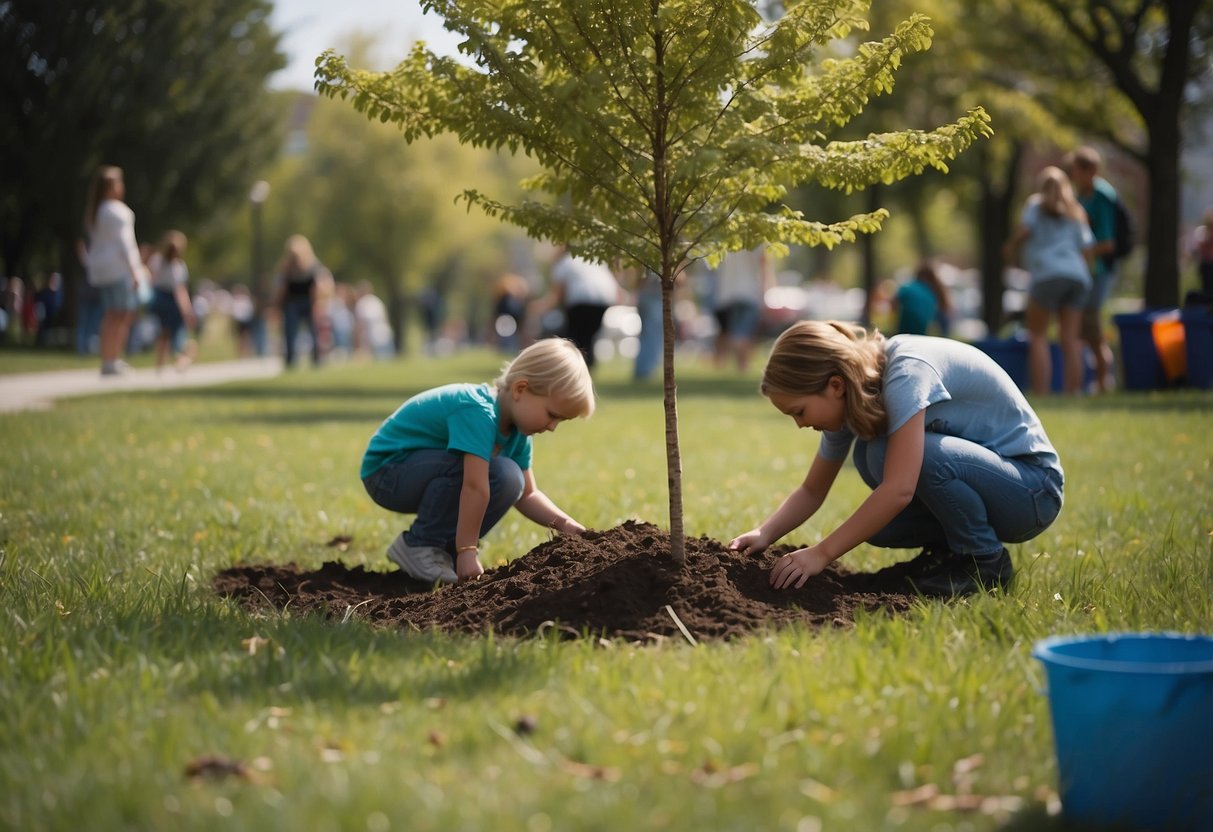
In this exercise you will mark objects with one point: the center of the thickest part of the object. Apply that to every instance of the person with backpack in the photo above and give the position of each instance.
(1098, 198)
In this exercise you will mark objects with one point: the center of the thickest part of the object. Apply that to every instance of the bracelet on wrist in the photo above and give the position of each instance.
(459, 550)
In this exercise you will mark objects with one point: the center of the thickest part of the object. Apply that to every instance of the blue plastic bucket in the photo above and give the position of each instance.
(1133, 727)
(1139, 359)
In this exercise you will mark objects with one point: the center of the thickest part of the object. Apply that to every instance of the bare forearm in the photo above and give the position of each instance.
(539, 508)
(473, 502)
(799, 506)
(881, 506)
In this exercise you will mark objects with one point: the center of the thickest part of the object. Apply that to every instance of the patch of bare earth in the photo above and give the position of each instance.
(616, 583)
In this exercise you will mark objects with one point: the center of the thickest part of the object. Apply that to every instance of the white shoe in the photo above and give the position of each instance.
(424, 563)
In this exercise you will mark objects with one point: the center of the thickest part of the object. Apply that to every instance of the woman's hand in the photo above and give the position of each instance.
(795, 568)
(467, 565)
(567, 525)
(750, 543)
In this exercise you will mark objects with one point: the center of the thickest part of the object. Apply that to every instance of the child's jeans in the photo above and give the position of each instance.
(428, 483)
(968, 498)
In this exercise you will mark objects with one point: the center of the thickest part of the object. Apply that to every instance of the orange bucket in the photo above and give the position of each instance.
(1169, 343)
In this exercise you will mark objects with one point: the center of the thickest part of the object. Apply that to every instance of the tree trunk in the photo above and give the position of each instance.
(997, 192)
(867, 247)
(673, 455)
(1162, 222)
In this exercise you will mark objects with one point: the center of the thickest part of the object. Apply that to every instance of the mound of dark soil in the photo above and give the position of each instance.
(614, 583)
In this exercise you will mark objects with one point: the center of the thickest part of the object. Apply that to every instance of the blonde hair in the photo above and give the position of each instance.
(552, 367)
(107, 178)
(297, 256)
(1057, 195)
(809, 353)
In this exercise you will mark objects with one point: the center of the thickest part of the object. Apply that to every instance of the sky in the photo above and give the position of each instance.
(309, 27)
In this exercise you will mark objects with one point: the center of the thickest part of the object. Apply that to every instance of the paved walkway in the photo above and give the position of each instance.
(38, 391)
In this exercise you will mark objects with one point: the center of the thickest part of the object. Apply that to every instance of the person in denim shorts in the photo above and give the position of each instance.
(1057, 243)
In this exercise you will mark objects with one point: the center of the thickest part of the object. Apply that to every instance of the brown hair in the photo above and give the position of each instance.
(105, 180)
(928, 274)
(172, 246)
(809, 353)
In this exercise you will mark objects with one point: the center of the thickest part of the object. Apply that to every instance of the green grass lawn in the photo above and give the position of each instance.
(119, 667)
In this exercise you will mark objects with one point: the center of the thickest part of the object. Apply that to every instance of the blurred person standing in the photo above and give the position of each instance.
(510, 295)
(1058, 244)
(742, 280)
(372, 329)
(583, 290)
(171, 302)
(923, 301)
(303, 285)
(243, 311)
(113, 263)
(1098, 198)
(1202, 253)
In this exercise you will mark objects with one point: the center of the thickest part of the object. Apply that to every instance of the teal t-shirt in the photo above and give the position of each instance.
(1100, 206)
(458, 418)
(917, 307)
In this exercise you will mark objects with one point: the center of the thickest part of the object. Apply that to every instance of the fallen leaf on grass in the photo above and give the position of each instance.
(253, 643)
(341, 542)
(214, 767)
(710, 777)
(928, 796)
(609, 774)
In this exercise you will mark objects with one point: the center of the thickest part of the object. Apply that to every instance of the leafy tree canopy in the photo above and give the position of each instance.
(665, 130)
(171, 91)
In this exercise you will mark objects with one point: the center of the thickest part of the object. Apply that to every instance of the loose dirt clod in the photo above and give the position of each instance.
(615, 583)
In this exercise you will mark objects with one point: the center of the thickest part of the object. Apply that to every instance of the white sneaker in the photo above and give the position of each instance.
(424, 563)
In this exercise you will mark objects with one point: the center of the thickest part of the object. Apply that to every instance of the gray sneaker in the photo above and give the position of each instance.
(424, 563)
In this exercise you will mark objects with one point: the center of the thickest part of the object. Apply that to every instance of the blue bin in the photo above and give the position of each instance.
(1012, 355)
(1009, 353)
(1133, 728)
(1138, 353)
(1198, 344)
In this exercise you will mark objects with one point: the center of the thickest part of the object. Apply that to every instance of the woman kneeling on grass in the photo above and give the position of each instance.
(957, 459)
(458, 456)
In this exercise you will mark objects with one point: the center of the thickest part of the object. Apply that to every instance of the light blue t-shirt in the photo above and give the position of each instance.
(964, 392)
(460, 418)
(1055, 247)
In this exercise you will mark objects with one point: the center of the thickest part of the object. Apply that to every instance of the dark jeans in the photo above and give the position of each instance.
(427, 483)
(968, 497)
(582, 322)
(296, 311)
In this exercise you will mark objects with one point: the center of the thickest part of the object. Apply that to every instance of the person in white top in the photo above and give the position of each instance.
(171, 301)
(584, 290)
(742, 280)
(112, 262)
(372, 329)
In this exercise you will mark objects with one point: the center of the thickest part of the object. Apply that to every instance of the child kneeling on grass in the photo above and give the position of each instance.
(957, 459)
(459, 456)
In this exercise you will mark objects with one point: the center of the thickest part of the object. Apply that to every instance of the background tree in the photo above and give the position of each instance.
(666, 129)
(173, 92)
(1154, 52)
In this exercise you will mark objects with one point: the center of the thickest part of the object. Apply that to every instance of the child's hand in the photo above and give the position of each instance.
(467, 565)
(798, 567)
(568, 526)
(750, 543)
